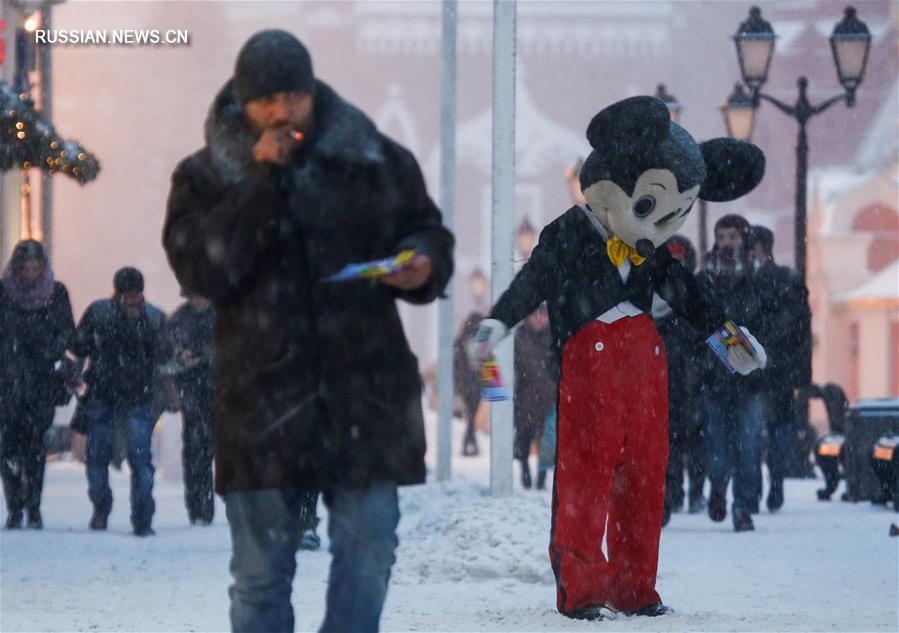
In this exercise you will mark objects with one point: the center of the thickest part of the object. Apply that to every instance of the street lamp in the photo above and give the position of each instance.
(674, 110)
(478, 286)
(525, 238)
(850, 43)
(739, 114)
(674, 106)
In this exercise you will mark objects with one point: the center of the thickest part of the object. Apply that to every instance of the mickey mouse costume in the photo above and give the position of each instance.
(597, 269)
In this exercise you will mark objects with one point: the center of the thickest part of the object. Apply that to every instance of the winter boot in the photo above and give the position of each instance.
(470, 441)
(718, 505)
(743, 521)
(525, 474)
(541, 479)
(35, 522)
(470, 445)
(776, 496)
(666, 515)
(593, 612)
(144, 530)
(653, 610)
(310, 541)
(98, 520)
(697, 505)
(14, 520)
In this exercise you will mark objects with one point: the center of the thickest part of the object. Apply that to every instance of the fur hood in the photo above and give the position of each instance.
(341, 132)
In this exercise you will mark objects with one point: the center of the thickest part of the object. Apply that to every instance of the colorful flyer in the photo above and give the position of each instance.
(726, 337)
(492, 387)
(372, 269)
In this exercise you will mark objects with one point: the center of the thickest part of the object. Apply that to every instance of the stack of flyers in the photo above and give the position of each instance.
(372, 269)
(492, 388)
(726, 337)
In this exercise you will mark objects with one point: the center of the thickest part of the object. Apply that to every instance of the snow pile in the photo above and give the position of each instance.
(475, 538)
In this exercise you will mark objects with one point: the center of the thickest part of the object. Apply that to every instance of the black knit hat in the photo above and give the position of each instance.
(734, 221)
(272, 61)
(128, 279)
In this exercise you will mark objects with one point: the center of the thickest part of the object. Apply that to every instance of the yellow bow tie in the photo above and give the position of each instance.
(618, 251)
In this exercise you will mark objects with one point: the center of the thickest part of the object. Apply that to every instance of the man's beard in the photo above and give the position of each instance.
(729, 262)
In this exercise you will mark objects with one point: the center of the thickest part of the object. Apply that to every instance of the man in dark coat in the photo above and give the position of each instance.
(735, 404)
(683, 348)
(191, 330)
(316, 384)
(125, 342)
(535, 388)
(791, 374)
(36, 324)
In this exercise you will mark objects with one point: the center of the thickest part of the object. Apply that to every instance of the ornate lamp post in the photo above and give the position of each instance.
(849, 43)
(674, 106)
(674, 110)
(525, 238)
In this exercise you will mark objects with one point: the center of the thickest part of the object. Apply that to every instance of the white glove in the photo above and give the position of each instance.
(742, 361)
(489, 333)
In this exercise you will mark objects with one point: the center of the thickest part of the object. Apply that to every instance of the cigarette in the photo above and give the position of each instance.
(297, 135)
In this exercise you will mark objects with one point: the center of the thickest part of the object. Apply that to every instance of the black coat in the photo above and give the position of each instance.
(31, 342)
(192, 331)
(124, 354)
(570, 270)
(788, 326)
(742, 299)
(535, 377)
(685, 350)
(315, 382)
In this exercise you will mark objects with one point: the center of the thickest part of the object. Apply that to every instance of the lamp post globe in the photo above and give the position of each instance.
(755, 47)
(850, 44)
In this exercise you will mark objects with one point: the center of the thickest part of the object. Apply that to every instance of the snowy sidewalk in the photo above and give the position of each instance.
(467, 562)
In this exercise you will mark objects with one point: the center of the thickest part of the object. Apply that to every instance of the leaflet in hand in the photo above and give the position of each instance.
(492, 387)
(726, 337)
(372, 269)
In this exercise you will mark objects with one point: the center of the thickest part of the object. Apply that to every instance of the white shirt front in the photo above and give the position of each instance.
(625, 308)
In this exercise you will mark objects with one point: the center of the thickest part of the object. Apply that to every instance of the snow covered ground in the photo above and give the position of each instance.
(467, 562)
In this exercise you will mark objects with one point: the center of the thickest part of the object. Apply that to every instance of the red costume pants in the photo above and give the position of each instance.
(611, 457)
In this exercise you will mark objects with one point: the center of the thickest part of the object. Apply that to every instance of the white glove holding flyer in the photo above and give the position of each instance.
(739, 350)
(489, 333)
(742, 360)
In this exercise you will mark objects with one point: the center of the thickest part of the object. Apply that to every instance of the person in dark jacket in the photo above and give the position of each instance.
(124, 341)
(191, 331)
(790, 326)
(316, 385)
(535, 388)
(36, 324)
(683, 348)
(467, 384)
(735, 404)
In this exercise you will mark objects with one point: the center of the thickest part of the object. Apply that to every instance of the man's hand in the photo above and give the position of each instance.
(412, 275)
(187, 359)
(273, 146)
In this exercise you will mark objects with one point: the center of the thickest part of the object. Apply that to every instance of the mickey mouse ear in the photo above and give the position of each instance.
(637, 120)
(733, 168)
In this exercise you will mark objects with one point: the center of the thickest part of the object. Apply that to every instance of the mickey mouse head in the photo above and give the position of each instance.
(646, 172)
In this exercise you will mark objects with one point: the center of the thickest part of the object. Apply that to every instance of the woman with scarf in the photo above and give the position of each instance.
(36, 324)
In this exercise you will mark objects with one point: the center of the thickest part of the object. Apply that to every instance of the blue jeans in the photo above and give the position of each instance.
(266, 526)
(734, 440)
(139, 422)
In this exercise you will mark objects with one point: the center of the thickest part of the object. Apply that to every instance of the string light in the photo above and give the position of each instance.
(27, 139)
